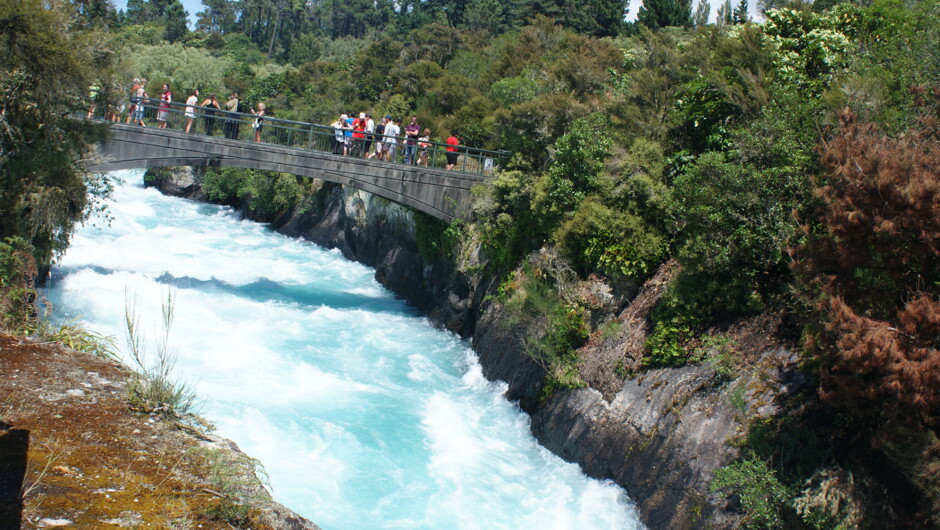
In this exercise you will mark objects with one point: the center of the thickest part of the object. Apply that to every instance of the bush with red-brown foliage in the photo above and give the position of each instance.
(875, 259)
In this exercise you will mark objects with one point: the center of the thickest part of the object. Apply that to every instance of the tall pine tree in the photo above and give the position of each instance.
(661, 13)
(176, 20)
(740, 13)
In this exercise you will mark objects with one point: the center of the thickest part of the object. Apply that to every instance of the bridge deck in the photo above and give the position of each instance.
(439, 193)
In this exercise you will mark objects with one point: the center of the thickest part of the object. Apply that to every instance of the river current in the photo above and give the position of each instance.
(362, 414)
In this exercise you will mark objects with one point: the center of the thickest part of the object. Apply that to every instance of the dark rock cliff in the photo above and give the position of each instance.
(660, 434)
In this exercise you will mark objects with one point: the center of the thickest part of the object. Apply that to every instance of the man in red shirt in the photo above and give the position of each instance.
(451, 153)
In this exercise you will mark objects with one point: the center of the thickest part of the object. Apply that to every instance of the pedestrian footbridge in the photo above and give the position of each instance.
(300, 149)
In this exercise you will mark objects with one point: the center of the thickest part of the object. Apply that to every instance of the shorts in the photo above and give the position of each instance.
(190, 114)
(390, 149)
(139, 113)
(379, 147)
(161, 115)
(451, 157)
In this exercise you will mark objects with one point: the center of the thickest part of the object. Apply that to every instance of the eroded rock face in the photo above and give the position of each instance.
(661, 438)
(176, 181)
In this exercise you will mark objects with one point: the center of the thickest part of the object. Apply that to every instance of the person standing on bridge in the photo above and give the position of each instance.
(370, 136)
(451, 154)
(339, 135)
(165, 99)
(231, 123)
(191, 103)
(256, 125)
(138, 98)
(210, 105)
(134, 99)
(392, 130)
(424, 142)
(412, 132)
(379, 140)
(358, 135)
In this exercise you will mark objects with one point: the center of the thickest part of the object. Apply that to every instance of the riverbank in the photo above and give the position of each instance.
(81, 458)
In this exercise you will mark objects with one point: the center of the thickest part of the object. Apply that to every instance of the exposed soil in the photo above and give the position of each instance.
(73, 454)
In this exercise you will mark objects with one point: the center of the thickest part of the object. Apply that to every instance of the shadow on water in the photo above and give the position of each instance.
(265, 290)
(14, 446)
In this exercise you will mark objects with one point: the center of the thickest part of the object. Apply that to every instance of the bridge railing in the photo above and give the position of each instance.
(301, 135)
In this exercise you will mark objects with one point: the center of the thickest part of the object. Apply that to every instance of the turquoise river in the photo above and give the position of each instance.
(362, 413)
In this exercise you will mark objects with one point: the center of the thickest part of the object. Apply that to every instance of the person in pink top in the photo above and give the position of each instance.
(163, 109)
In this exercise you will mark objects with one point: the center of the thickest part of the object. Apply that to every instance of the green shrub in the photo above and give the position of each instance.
(152, 388)
(761, 494)
(235, 478)
(615, 242)
(267, 193)
(509, 225)
(667, 345)
(558, 327)
(579, 158)
(17, 294)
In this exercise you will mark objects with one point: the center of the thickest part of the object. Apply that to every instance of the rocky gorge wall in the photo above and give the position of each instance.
(660, 434)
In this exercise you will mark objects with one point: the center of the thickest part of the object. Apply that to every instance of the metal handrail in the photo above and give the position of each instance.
(303, 135)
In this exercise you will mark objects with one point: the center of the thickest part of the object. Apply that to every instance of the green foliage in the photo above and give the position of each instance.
(305, 48)
(176, 23)
(263, 89)
(509, 226)
(615, 242)
(761, 494)
(44, 79)
(17, 294)
(737, 208)
(721, 352)
(235, 477)
(809, 48)
(667, 345)
(73, 335)
(560, 328)
(150, 34)
(183, 68)
(267, 193)
(661, 13)
(704, 113)
(579, 158)
(153, 389)
(435, 238)
(512, 90)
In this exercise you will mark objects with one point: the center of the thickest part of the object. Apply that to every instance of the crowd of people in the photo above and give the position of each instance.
(210, 109)
(364, 138)
(360, 136)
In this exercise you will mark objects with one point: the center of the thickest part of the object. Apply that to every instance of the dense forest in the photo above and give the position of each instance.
(789, 165)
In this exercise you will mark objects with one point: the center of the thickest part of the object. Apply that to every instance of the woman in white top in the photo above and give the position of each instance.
(392, 130)
(191, 103)
(257, 125)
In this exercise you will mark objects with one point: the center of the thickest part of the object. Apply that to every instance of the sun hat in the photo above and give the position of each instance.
(343, 117)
